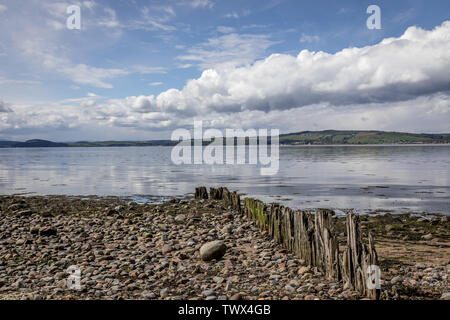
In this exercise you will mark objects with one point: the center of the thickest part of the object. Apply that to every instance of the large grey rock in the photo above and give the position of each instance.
(213, 250)
(181, 218)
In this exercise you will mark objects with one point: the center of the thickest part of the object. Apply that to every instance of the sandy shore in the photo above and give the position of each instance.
(126, 250)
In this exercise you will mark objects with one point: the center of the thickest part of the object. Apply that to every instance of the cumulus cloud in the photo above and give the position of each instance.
(371, 87)
(396, 69)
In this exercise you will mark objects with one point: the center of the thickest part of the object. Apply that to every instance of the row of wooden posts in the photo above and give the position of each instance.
(310, 235)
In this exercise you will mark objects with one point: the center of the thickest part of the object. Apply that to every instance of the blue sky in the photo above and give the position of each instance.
(126, 73)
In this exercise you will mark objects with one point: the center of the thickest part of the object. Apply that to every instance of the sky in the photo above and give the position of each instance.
(139, 69)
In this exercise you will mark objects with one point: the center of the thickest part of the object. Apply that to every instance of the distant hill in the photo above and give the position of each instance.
(330, 137)
(35, 143)
(326, 137)
(123, 143)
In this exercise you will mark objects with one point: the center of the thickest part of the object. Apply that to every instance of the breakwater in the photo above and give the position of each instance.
(311, 236)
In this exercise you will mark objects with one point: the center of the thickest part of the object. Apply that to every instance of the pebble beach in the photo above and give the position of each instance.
(194, 249)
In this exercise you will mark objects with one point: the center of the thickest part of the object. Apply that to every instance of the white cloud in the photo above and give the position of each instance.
(6, 81)
(3, 8)
(89, 4)
(3, 107)
(155, 18)
(353, 88)
(232, 15)
(41, 45)
(149, 70)
(225, 29)
(396, 69)
(228, 50)
(110, 21)
(201, 3)
(309, 38)
(155, 84)
(185, 66)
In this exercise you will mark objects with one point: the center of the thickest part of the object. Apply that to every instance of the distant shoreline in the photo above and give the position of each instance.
(281, 145)
(304, 138)
(369, 145)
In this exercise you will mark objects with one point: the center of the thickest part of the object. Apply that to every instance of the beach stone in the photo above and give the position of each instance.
(445, 296)
(47, 231)
(289, 288)
(218, 279)
(213, 250)
(397, 279)
(421, 266)
(303, 270)
(427, 237)
(25, 213)
(16, 206)
(229, 286)
(166, 249)
(236, 297)
(164, 293)
(111, 212)
(208, 293)
(181, 218)
(294, 283)
(148, 295)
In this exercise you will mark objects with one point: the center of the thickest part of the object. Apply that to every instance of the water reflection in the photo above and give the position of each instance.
(400, 178)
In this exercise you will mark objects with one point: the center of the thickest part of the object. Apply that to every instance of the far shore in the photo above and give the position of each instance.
(281, 145)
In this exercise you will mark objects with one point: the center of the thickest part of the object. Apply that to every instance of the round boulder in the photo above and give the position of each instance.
(213, 250)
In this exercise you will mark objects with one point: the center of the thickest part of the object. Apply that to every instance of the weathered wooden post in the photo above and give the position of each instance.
(216, 194)
(201, 193)
(326, 244)
(357, 258)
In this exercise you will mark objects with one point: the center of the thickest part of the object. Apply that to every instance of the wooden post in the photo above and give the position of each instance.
(312, 238)
(326, 245)
(216, 194)
(357, 258)
(201, 193)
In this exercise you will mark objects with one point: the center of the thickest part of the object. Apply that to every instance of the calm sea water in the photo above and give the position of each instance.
(363, 178)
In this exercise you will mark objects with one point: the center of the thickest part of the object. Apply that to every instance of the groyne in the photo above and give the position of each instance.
(311, 236)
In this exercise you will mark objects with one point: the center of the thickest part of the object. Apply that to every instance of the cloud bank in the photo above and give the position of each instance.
(399, 83)
(397, 69)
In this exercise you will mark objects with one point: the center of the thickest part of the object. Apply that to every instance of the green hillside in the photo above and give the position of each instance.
(327, 137)
(361, 137)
